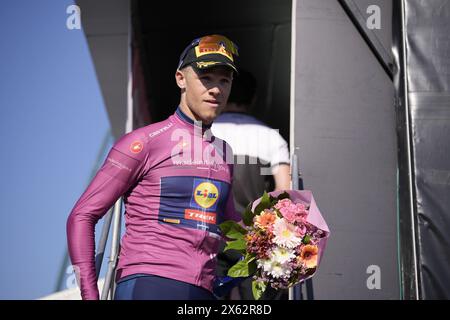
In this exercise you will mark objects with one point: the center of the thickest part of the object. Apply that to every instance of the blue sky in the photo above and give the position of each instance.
(53, 121)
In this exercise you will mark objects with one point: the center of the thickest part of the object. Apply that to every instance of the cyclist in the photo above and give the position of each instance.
(175, 179)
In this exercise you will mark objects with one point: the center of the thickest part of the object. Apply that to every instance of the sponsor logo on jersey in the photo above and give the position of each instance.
(136, 147)
(206, 194)
(118, 164)
(168, 220)
(160, 130)
(193, 202)
(202, 216)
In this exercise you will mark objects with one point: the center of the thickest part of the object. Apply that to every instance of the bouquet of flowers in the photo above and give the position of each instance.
(283, 241)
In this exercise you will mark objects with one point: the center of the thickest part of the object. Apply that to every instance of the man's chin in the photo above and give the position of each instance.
(210, 117)
(208, 120)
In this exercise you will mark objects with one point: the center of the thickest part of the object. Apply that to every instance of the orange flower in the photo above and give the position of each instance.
(265, 219)
(309, 255)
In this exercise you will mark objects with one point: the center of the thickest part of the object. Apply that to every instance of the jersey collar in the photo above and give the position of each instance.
(189, 121)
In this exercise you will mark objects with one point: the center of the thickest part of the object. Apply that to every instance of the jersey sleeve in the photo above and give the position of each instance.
(123, 166)
(279, 150)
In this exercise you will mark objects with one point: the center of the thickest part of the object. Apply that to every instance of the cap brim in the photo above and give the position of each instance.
(202, 65)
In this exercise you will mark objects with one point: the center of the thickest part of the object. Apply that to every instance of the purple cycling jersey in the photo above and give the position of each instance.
(175, 180)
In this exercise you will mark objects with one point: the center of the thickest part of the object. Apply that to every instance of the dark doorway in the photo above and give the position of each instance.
(261, 29)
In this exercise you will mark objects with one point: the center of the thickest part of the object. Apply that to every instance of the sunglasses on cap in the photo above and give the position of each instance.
(209, 45)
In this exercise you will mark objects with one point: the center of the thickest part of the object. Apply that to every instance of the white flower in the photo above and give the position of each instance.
(282, 255)
(285, 234)
(274, 268)
(264, 264)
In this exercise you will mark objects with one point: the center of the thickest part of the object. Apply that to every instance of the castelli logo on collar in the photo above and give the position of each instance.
(136, 147)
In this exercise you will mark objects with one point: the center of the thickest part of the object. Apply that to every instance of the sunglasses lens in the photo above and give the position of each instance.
(217, 44)
(214, 44)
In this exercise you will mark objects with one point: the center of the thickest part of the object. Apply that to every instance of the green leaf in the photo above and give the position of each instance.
(244, 268)
(238, 245)
(265, 198)
(258, 288)
(248, 215)
(306, 239)
(250, 257)
(264, 204)
(232, 229)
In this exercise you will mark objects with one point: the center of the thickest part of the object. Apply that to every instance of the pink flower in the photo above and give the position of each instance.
(285, 234)
(301, 209)
(292, 212)
(288, 214)
(283, 203)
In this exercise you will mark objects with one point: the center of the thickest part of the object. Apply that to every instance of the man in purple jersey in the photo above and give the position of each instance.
(175, 179)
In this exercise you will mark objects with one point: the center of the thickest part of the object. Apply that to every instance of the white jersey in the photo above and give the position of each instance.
(250, 137)
(257, 150)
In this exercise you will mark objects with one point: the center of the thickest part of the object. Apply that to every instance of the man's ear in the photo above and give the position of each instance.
(180, 78)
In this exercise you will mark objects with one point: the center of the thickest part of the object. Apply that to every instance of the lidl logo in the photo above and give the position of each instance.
(206, 194)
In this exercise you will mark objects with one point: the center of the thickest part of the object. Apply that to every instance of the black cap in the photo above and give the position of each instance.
(209, 51)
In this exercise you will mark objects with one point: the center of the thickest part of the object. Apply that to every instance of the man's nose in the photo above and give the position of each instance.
(215, 90)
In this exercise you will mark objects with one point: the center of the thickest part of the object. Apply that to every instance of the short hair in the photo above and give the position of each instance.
(243, 88)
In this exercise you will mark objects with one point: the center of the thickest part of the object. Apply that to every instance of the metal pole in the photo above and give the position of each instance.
(294, 165)
(410, 285)
(102, 243)
(309, 289)
(66, 259)
(294, 292)
(62, 271)
(114, 249)
(116, 243)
